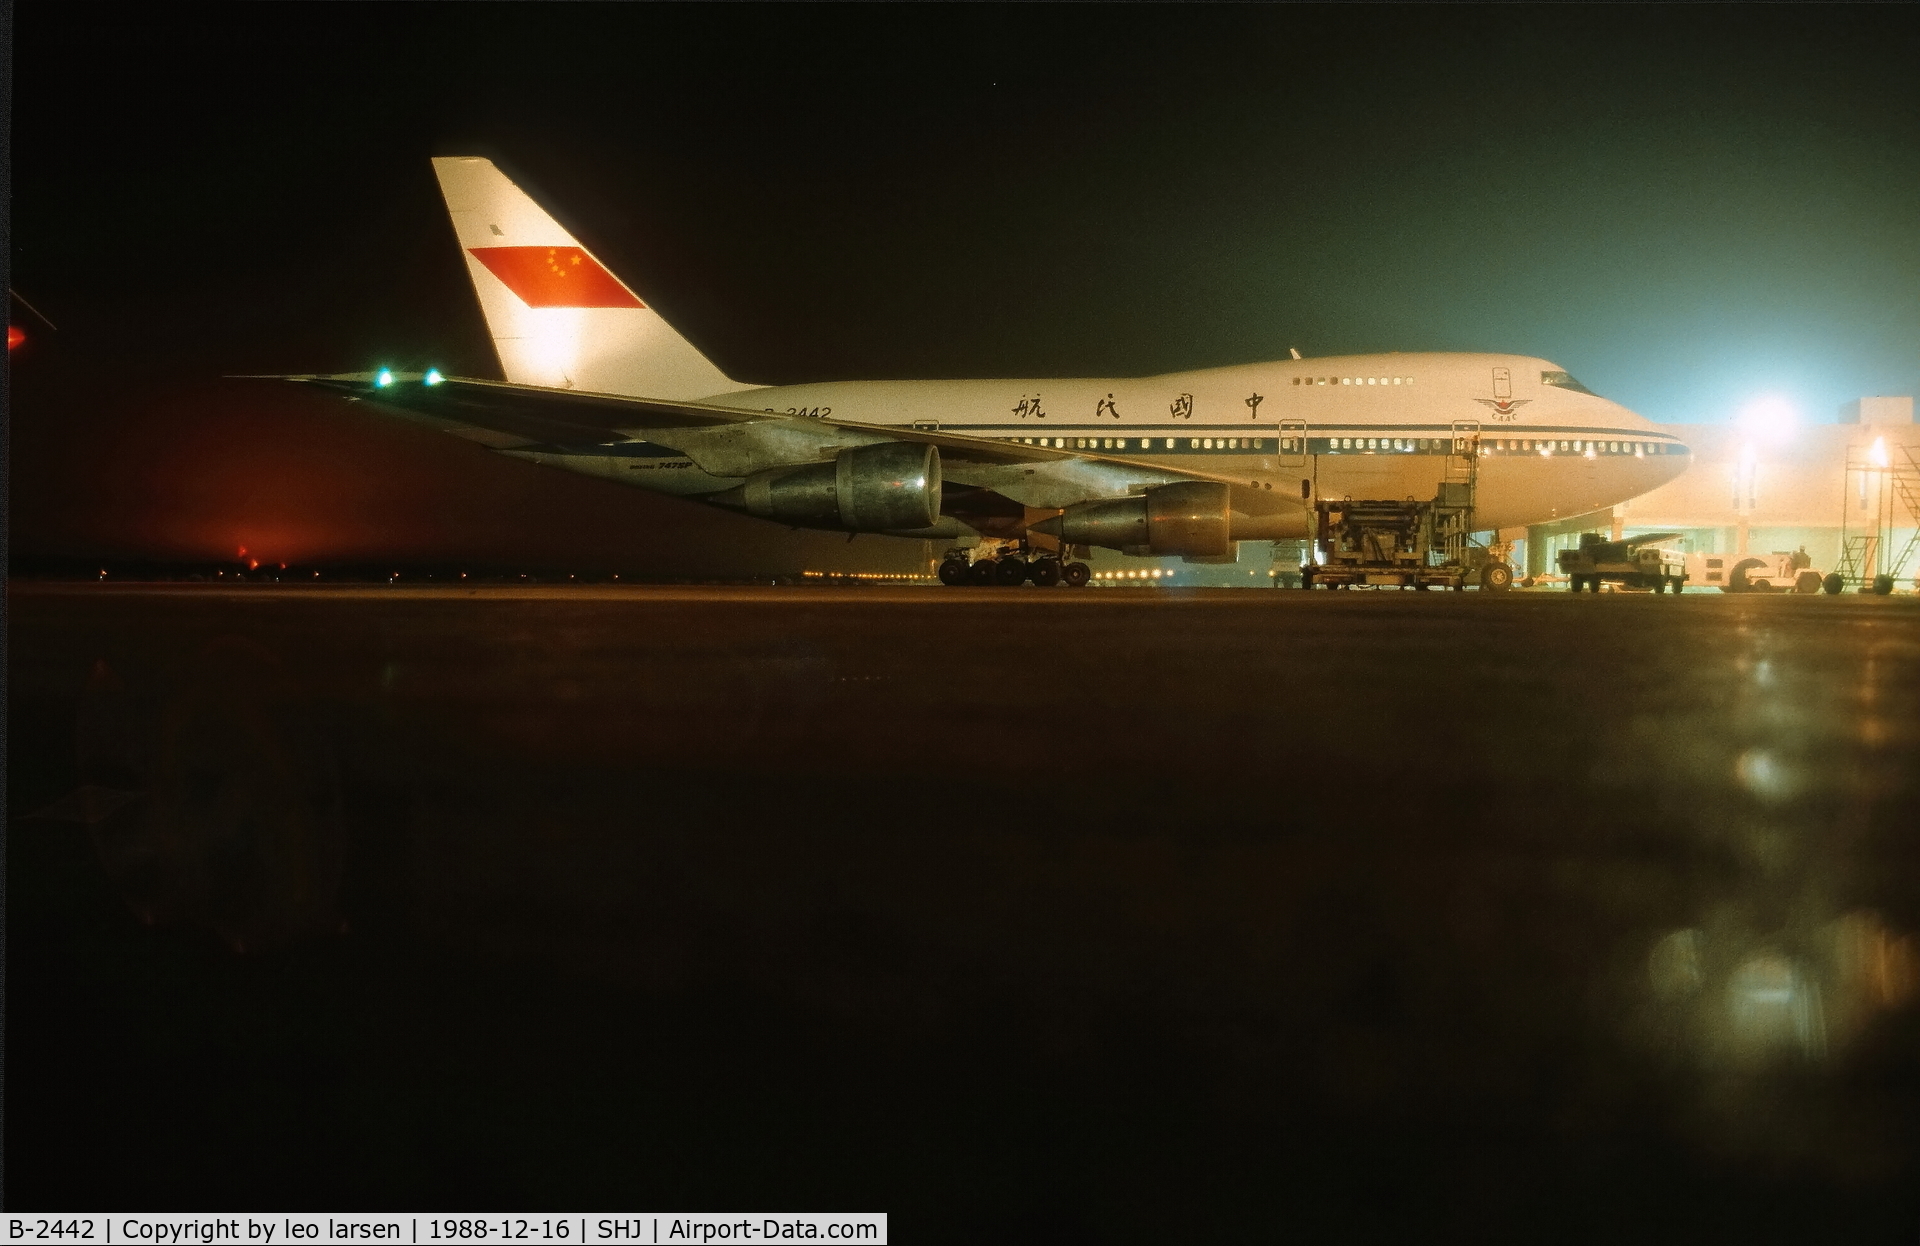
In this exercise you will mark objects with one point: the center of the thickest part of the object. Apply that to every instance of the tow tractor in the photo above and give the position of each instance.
(1778, 572)
(1638, 562)
(1409, 543)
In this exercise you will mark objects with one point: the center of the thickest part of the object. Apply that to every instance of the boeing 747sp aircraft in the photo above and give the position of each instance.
(1181, 464)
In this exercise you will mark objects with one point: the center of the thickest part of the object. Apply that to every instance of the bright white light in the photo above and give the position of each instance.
(433, 376)
(384, 379)
(1878, 455)
(1770, 417)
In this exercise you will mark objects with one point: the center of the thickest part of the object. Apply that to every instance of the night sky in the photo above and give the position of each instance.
(1688, 207)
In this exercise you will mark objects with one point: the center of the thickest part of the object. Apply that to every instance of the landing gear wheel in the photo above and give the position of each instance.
(1010, 572)
(953, 572)
(1044, 572)
(983, 573)
(1832, 585)
(1807, 583)
(1496, 577)
(1076, 574)
(1882, 585)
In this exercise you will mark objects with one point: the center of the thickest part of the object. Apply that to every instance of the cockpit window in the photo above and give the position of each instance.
(1565, 381)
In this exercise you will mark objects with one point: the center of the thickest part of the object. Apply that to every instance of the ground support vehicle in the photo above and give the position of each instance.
(1637, 563)
(1778, 572)
(1405, 544)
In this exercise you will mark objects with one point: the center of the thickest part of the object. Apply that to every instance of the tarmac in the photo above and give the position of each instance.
(1023, 915)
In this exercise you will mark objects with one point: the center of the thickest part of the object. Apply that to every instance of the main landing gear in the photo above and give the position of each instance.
(1013, 570)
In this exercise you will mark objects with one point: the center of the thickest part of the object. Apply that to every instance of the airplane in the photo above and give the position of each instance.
(1015, 473)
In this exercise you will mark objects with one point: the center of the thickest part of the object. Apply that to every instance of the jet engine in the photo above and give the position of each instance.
(879, 488)
(1191, 519)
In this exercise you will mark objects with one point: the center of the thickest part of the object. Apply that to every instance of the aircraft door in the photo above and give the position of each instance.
(1502, 384)
(1293, 443)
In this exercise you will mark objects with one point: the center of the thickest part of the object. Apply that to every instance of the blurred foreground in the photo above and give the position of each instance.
(1024, 916)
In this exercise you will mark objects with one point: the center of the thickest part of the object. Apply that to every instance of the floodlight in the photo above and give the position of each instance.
(1769, 417)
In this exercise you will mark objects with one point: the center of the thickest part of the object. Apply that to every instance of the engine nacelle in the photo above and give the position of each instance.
(1191, 519)
(880, 488)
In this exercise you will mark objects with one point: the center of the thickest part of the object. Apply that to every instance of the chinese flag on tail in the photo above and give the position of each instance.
(555, 277)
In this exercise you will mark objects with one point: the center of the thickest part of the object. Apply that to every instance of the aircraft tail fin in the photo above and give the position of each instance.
(557, 316)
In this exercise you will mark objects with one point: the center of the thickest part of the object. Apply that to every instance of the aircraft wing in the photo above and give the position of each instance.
(507, 416)
(731, 442)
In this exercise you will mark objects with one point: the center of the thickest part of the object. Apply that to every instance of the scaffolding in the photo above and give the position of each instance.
(1882, 496)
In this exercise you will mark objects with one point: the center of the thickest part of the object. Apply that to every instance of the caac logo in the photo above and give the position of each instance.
(1503, 408)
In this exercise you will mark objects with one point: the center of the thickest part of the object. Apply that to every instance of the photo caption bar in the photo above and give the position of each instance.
(453, 1229)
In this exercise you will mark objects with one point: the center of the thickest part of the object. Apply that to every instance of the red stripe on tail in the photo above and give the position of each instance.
(555, 277)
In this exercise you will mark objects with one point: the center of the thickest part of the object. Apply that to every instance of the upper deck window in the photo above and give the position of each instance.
(1565, 381)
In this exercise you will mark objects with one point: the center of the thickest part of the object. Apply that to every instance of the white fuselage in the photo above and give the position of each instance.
(1375, 426)
(1362, 426)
